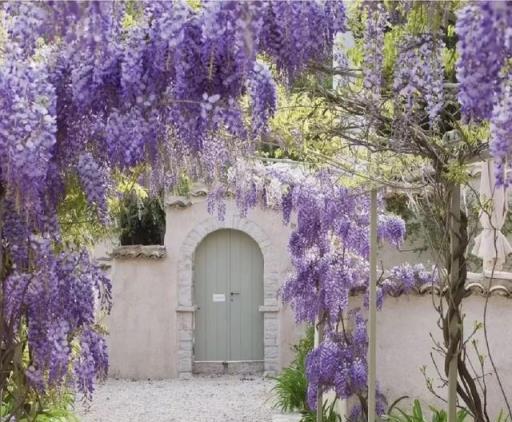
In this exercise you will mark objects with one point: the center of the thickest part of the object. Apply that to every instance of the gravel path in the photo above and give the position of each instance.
(208, 399)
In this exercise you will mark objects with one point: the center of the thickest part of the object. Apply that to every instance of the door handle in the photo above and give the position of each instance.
(234, 293)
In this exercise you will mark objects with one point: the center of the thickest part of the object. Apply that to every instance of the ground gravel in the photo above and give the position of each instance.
(208, 399)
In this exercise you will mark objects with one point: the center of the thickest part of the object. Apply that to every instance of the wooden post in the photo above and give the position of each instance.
(3, 372)
(454, 222)
(372, 311)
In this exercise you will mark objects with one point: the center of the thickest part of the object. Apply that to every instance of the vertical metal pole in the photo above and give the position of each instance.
(372, 312)
(454, 279)
(452, 391)
(3, 378)
(319, 399)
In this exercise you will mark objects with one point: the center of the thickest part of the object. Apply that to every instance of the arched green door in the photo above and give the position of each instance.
(228, 290)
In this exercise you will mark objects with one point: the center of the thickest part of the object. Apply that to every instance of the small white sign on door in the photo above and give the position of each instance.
(219, 297)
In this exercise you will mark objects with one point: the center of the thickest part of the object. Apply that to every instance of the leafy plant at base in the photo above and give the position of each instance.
(292, 385)
(328, 414)
(417, 415)
(53, 406)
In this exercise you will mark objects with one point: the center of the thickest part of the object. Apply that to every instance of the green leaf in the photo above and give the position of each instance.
(461, 415)
(417, 412)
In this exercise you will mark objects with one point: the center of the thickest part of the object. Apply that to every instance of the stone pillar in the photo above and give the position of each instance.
(185, 340)
(270, 339)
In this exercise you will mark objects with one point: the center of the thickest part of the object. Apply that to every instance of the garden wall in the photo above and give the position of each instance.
(151, 325)
(404, 345)
(141, 342)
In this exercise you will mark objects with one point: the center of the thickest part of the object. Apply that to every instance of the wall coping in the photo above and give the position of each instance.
(472, 288)
(198, 193)
(139, 251)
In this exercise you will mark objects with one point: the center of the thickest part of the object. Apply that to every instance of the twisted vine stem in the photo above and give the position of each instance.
(452, 320)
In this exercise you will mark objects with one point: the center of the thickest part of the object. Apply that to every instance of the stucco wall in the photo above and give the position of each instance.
(143, 320)
(144, 339)
(404, 345)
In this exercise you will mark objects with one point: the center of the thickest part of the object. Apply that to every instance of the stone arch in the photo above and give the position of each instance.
(186, 308)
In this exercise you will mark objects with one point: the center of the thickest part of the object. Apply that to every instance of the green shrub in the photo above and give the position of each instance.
(141, 220)
(51, 407)
(291, 384)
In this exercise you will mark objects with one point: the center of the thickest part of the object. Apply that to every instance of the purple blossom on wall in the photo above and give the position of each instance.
(392, 229)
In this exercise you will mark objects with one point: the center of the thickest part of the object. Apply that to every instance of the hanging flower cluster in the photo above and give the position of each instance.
(116, 93)
(88, 87)
(413, 93)
(329, 250)
(484, 49)
(373, 39)
(57, 301)
(419, 75)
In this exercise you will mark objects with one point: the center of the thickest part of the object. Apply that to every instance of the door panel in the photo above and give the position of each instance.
(246, 296)
(229, 263)
(212, 277)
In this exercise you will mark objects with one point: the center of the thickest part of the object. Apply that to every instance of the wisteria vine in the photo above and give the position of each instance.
(329, 249)
(90, 87)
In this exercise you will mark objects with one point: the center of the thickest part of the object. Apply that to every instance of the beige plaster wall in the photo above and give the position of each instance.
(142, 324)
(290, 334)
(404, 345)
(143, 340)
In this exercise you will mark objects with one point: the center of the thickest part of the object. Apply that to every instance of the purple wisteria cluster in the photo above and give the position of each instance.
(419, 77)
(329, 249)
(57, 302)
(373, 39)
(89, 87)
(484, 49)
(124, 94)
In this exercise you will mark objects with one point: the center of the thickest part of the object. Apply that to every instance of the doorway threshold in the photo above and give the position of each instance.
(243, 367)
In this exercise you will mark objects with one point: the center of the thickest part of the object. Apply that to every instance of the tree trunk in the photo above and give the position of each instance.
(453, 329)
(2, 269)
(460, 381)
